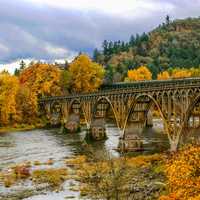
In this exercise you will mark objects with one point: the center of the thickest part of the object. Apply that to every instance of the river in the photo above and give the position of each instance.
(18, 147)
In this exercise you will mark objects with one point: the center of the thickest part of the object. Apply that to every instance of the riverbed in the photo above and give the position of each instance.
(42, 145)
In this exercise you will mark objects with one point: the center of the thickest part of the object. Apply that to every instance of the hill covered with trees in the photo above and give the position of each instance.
(174, 44)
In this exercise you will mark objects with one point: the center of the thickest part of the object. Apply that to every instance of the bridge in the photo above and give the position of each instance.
(130, 104)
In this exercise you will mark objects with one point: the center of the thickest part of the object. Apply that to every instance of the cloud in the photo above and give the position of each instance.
(50, 30)
(106, 6)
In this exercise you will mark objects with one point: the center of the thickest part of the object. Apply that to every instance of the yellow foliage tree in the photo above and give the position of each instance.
(26, 105)
(181, 73)
(163, 75)
(142, 73)
(195, 72)
(86, 75)
(9, 86)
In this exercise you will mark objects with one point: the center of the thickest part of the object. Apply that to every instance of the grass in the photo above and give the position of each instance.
(19, 128)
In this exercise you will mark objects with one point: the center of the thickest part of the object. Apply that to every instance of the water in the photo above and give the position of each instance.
(18, 147)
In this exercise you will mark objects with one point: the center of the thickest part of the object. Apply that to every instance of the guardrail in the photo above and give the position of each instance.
(139, 86)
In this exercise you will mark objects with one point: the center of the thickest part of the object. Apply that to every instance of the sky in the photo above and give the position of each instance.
(59, 29)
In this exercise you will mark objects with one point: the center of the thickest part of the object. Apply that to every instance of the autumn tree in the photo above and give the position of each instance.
(182, 172)
(65, 81)
(142, 73)
(26, 105)
(181, 73)
(9, 86)
(87, 76)
(195, 72)
(42, 79)
(163, 75)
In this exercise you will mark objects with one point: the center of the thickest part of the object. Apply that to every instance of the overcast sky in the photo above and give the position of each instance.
(59, 29)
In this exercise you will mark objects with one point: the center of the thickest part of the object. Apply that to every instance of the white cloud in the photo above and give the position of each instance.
(10, 67)
(56, 51)
(119, 7)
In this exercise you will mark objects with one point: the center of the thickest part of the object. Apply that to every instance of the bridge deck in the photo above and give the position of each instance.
(137, 87)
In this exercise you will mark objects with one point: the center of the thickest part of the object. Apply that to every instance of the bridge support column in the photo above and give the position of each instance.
(131, 140)
(130, 143)
(55, 120)
(97, 130)
(149, 122)
(73, 124)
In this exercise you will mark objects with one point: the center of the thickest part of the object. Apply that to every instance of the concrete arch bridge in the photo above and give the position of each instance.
(177, 101)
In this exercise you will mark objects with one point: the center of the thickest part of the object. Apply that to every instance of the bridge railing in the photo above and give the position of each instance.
(139, 86)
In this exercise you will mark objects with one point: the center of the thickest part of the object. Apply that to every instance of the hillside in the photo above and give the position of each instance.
(172, 44)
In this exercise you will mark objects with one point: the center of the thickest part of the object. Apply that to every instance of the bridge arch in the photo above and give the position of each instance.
(54, 111)
(152, 101)
(56, 108)
(190, 109)
(94, 109)
(72, 103)
(81, 109)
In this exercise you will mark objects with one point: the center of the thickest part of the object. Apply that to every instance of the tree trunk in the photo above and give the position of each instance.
(174, 145)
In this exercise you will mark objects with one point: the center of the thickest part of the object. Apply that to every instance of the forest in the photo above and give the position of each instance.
(173, 44)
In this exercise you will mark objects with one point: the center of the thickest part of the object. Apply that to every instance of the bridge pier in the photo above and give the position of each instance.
(54, 120)
(97, 130)
(149, 120)
(73, 124)
(130, 144)
(131, 139)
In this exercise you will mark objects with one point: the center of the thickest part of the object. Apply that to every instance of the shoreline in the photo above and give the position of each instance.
(18, 129)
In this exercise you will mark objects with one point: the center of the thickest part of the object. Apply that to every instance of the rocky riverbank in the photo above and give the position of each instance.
(138, 178)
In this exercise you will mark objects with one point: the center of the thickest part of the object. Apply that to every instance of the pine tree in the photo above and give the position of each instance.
(22, 65)
(95, 55)
(167, 20)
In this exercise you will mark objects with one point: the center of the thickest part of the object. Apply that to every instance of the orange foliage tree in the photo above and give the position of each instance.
(86, 75)
(35, 81)
(142, 73)
(42, 79)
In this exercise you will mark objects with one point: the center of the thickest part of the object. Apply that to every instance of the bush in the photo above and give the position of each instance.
(183, 173)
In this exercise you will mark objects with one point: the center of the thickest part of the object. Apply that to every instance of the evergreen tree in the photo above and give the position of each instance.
(105, 47)
(22, 65)
(167, 20)
(109, 74)
(96, 54)
(132, 41)
(16, 72)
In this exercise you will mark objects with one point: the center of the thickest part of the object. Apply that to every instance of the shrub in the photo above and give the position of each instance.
(183, 173)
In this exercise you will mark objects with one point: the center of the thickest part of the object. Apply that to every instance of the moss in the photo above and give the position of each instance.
(37, 162)
(77, 161)
(53, 177)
